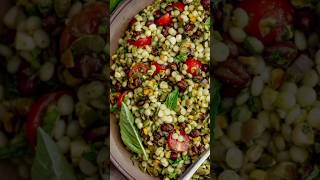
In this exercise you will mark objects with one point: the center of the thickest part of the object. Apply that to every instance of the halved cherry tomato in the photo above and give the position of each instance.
(268, 18)
(141, 42)
(121, 98)
(164, 20)
(176, 145)
(34, 117)
(138, 68)
(179, 6)
(85, 22)
(159, 68)
(194, 66)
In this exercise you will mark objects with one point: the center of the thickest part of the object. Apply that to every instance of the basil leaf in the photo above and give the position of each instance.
(49, 162)
(172, 100)
(50, 119)
(129, 132)
(214, 105)
(14, 151)
(113, 4)
(314, 174)
(181, 57)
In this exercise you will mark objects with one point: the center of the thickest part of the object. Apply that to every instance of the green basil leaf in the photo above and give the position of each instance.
(50, 119)
(113, 4)
(314, 174)
(129, 132)
(49, 162)
(215, 105)
(172, 100)
(181, 57)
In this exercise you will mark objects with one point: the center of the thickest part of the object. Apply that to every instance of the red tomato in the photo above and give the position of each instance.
(176, 145)
(121, 98)
(164, 20)
(179, 6)
(85, 22)
(194, 66)
(36, 112)
(138, 68)
(260, 12)
(159, 68)
(141, 42)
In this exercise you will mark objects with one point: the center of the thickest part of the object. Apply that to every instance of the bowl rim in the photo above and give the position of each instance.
(114, 15)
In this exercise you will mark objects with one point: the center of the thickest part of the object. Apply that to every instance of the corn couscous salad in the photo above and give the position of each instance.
(160, 83)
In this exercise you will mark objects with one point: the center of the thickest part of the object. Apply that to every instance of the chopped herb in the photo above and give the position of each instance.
(181, 57)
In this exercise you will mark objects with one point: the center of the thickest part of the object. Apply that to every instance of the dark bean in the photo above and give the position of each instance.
(137, 82)
(169, 8)
(155, 52)
(157, 14)
(205, 67)
(205, 4)
(28, 85)
(195, 133)
(132, 21)
(134, 82)
(118, 87)
(174, 156)
(173, 66)
(49, 23)
(157, 136)
(167, 127)
(197, 150)
(140, 103)
(183, 85)
(189, 27)
(232, 73)
(149, 23)
(136, 33)
(305, 19)
(182, 125)
(165, 31)
(281, 54)
(234, 51)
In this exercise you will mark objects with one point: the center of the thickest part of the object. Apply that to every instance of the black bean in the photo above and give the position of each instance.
(167, 127)
(195, 133)
(165, 31)
(182, 125)
(174, 156)
(149, 23)
(205, 4)
(183, 85)
(169, 8)
(157, 14)
(205, 68)
(189, 27)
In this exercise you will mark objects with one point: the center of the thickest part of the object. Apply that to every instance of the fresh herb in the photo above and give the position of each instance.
(49, 163)
(17, 148)
(103, 29)
(113, 4)
(129, 132)
(254, 104)
(314, 174)
(114, 108)
(172, 99)
(208, 23)
(50, 119)
(181, 57)
(34, 61)
(214, 105)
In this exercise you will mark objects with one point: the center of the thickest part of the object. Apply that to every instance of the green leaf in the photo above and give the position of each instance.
(181, 57)
(216, 98)
(129, 132)
(314, 174)
(172, 99)
(113, 4)
(49, 163)
(50, 119)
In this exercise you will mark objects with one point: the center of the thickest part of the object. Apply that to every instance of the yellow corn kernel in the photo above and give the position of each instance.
(197, 139)
(192, 18)
(190, 117)
(147, 91)
(258, 174)
(206, 141)
(167, 154)
(145, 131)
(156, 162)
(277, 78)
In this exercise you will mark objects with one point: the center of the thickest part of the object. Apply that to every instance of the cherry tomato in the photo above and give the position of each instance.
(164, 20)
(176, 145)
(179, 6)
(138, 68)
(85, 22)
(141, 42)
(36, 112)
(159, 68)
(262, 13)
(121, 98)
(194, 66)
